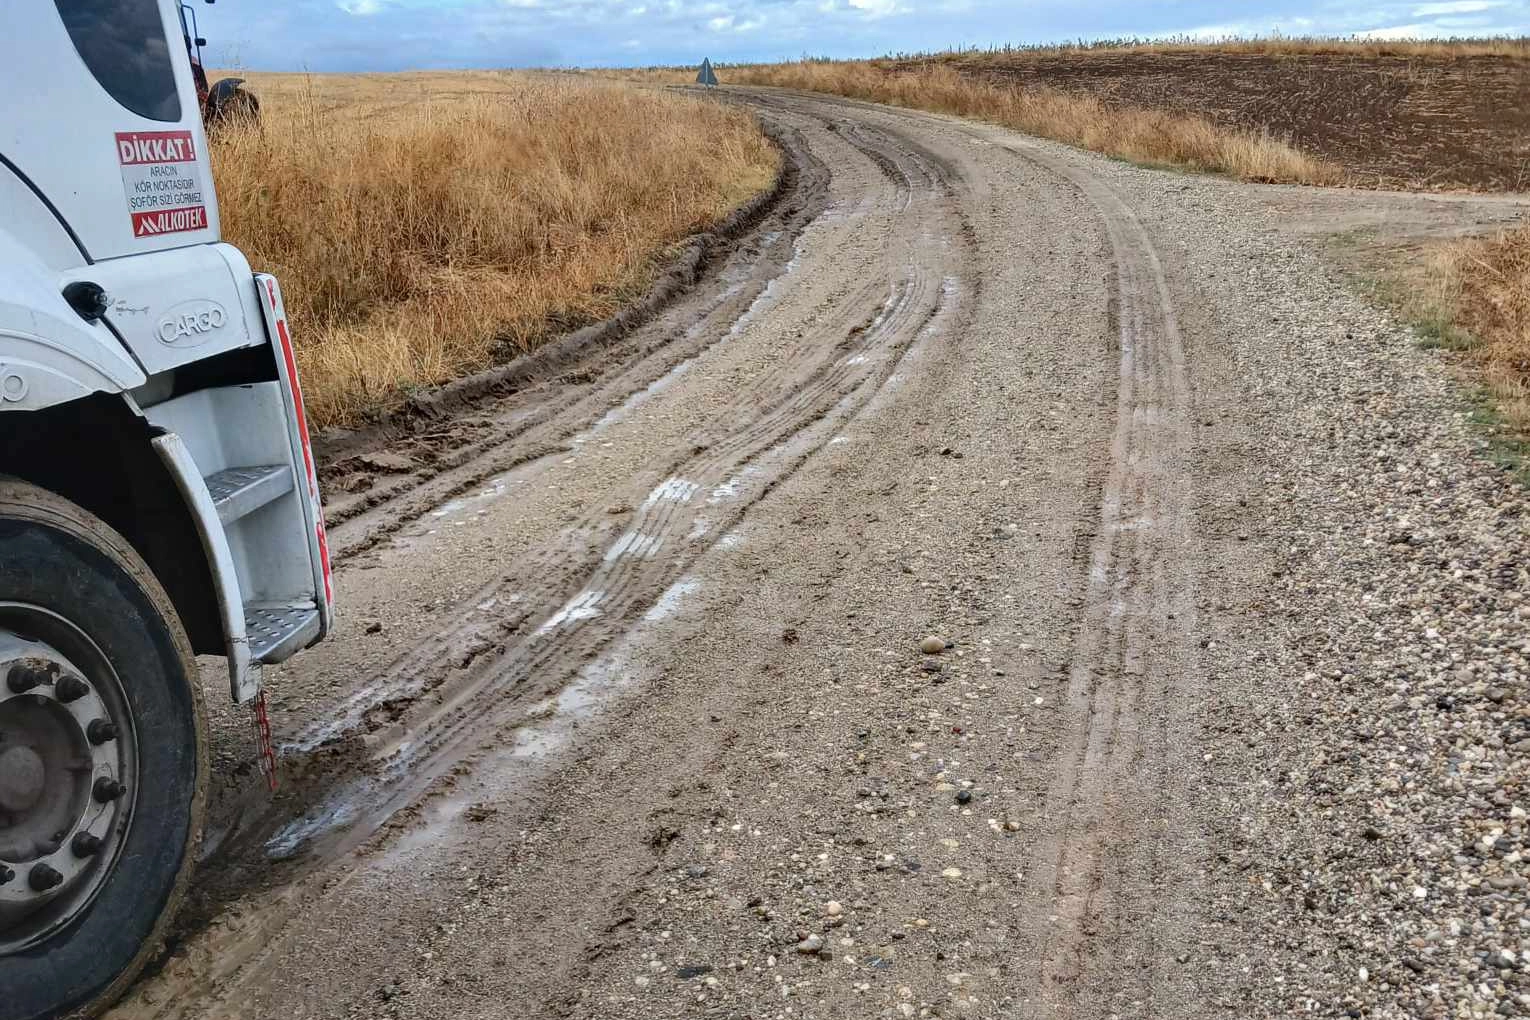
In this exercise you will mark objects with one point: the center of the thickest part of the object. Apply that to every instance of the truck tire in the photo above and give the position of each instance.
(78, 602)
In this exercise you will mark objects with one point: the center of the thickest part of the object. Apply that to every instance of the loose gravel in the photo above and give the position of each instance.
(1374, 715)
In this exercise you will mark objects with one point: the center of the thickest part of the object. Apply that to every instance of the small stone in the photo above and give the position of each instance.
(963, 796)
(932, 645)
(375, 627)
(833, 908)
(810, 945)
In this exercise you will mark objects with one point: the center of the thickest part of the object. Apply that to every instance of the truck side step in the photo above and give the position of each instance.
(237, 492)
(278, 632)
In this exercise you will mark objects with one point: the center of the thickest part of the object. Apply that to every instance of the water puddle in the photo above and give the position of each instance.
(584, 606)
(460, 511)
(623, 411)
(763, 302)
(549, 730)
(670, 602)
(674, 490)
(634, 544)
(341, 807)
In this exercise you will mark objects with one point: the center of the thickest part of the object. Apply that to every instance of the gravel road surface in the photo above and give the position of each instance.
(633, 712)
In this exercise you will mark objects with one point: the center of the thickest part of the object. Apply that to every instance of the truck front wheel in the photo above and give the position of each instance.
(102, 758)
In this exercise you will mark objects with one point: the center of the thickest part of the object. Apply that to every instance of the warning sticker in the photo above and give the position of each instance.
(162, 181)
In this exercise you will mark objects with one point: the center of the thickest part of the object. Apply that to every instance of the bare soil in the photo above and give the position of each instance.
(1392, 121)
(628, 715)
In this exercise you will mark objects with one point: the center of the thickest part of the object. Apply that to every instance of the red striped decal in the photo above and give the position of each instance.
(302, 418)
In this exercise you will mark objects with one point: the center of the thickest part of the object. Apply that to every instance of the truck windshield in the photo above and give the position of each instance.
(123, 43)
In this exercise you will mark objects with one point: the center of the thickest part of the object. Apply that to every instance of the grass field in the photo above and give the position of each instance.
(1485, 291)
(426, 224)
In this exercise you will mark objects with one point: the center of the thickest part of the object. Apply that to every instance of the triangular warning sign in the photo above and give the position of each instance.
(705, 75)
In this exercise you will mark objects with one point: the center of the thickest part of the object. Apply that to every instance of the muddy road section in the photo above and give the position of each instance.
(628, 715)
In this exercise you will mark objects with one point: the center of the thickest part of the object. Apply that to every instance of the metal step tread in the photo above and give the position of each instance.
(239, 491)
(278, 632)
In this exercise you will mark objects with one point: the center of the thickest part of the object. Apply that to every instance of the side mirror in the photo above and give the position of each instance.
(200, 41)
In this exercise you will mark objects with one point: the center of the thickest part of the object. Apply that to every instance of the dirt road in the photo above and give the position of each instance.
(628, 717)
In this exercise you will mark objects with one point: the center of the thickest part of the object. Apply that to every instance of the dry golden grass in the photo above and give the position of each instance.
(424, 224)
(1486, 291)
(1134, 133)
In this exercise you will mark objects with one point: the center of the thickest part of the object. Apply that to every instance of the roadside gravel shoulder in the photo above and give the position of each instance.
(1372, 732)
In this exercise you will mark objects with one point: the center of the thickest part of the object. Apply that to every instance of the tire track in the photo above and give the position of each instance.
(481, 674)
(627, 577)
(1086, 898)
(1134, 640)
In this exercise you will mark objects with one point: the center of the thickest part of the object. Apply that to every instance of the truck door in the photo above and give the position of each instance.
(110, 132)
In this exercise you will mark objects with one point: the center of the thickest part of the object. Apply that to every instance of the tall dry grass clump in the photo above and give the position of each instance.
(1488, 290)
(1134, 133)
(422, 225)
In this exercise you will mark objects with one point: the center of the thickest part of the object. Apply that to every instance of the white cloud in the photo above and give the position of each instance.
(877, 8)
(1457, 7)
(1395, 32)
(360, 7)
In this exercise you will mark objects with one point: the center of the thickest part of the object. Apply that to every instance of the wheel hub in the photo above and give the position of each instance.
(67, 773)
(21, 779)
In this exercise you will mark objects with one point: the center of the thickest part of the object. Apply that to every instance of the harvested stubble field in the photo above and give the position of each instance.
(426, 224)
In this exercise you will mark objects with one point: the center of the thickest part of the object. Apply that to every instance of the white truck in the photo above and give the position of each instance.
(158, 499)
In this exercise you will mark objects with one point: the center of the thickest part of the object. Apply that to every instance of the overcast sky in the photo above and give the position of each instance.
(386, 35)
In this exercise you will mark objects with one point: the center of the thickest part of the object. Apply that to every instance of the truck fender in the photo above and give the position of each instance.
(48, 353)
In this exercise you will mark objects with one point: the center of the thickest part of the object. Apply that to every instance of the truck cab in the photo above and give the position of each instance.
(158, 497)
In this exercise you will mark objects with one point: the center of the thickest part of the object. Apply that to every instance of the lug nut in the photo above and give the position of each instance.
(23, 678)
(70, 688)
(107, 790)
(100, 731)
(43, 877)
(6, 874)
(85, 844)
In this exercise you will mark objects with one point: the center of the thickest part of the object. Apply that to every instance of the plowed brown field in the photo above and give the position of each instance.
(1408, 121)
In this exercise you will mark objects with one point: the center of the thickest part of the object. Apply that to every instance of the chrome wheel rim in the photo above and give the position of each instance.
(68, 773)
